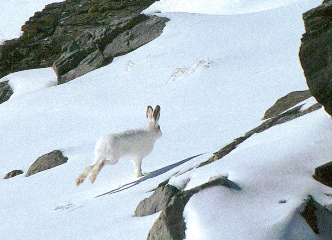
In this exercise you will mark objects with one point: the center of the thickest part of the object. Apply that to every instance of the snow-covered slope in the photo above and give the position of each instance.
(213, 73)
(217, 7)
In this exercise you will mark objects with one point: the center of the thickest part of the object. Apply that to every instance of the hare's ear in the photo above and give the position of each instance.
(156, 113)
(149, 112)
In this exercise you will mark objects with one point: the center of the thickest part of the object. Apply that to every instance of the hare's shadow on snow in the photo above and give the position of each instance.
(150, 175)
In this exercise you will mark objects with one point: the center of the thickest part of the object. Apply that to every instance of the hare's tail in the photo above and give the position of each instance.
(83, 175)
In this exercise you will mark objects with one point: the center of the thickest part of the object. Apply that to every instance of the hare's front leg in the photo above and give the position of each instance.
(138, 167)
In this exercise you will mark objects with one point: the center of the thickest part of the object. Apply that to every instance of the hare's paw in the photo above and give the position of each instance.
(83, 175)
(142, 174)
(138, 175)
(93, 177)
(79, 180)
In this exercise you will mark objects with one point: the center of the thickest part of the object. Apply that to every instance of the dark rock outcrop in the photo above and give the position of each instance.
(13, 173)
(82, 25)
(5, 91)
(282, 111)
(316, 53)
(323, 174)
(158, 201)
(96, 48)
(47, 161)
(286, 102)
(318, 217)
(170, 224)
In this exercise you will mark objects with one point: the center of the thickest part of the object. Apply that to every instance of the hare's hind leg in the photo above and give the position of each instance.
(99, 165)
(96, 169)
(83, 175)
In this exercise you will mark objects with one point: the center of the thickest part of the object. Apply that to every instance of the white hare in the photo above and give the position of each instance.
(133, 143)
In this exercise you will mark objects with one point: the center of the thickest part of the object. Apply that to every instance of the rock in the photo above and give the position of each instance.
(170, 224)
(279, 113)
(157, 201)
(47, 33)
(318, 217)
(143, 32)
(99, 47)
(13, 174)
(315, 53)
(47, 161)
(286, 102)
(5, 91)
(323, 174)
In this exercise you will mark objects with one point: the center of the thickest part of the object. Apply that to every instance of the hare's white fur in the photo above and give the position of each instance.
(133, 143)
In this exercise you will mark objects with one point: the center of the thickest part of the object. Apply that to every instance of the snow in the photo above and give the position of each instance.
(270, 167)
(214, 71)
(14, 13)
(28, 81)
(217, 7)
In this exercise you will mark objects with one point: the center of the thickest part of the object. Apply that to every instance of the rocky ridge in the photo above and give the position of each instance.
(171, 226)
(98, 47)
(75, 33)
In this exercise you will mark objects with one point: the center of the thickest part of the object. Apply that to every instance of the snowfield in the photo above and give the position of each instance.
(215, 70)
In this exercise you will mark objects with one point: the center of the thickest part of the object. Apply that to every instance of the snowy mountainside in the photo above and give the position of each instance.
(214, 74)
